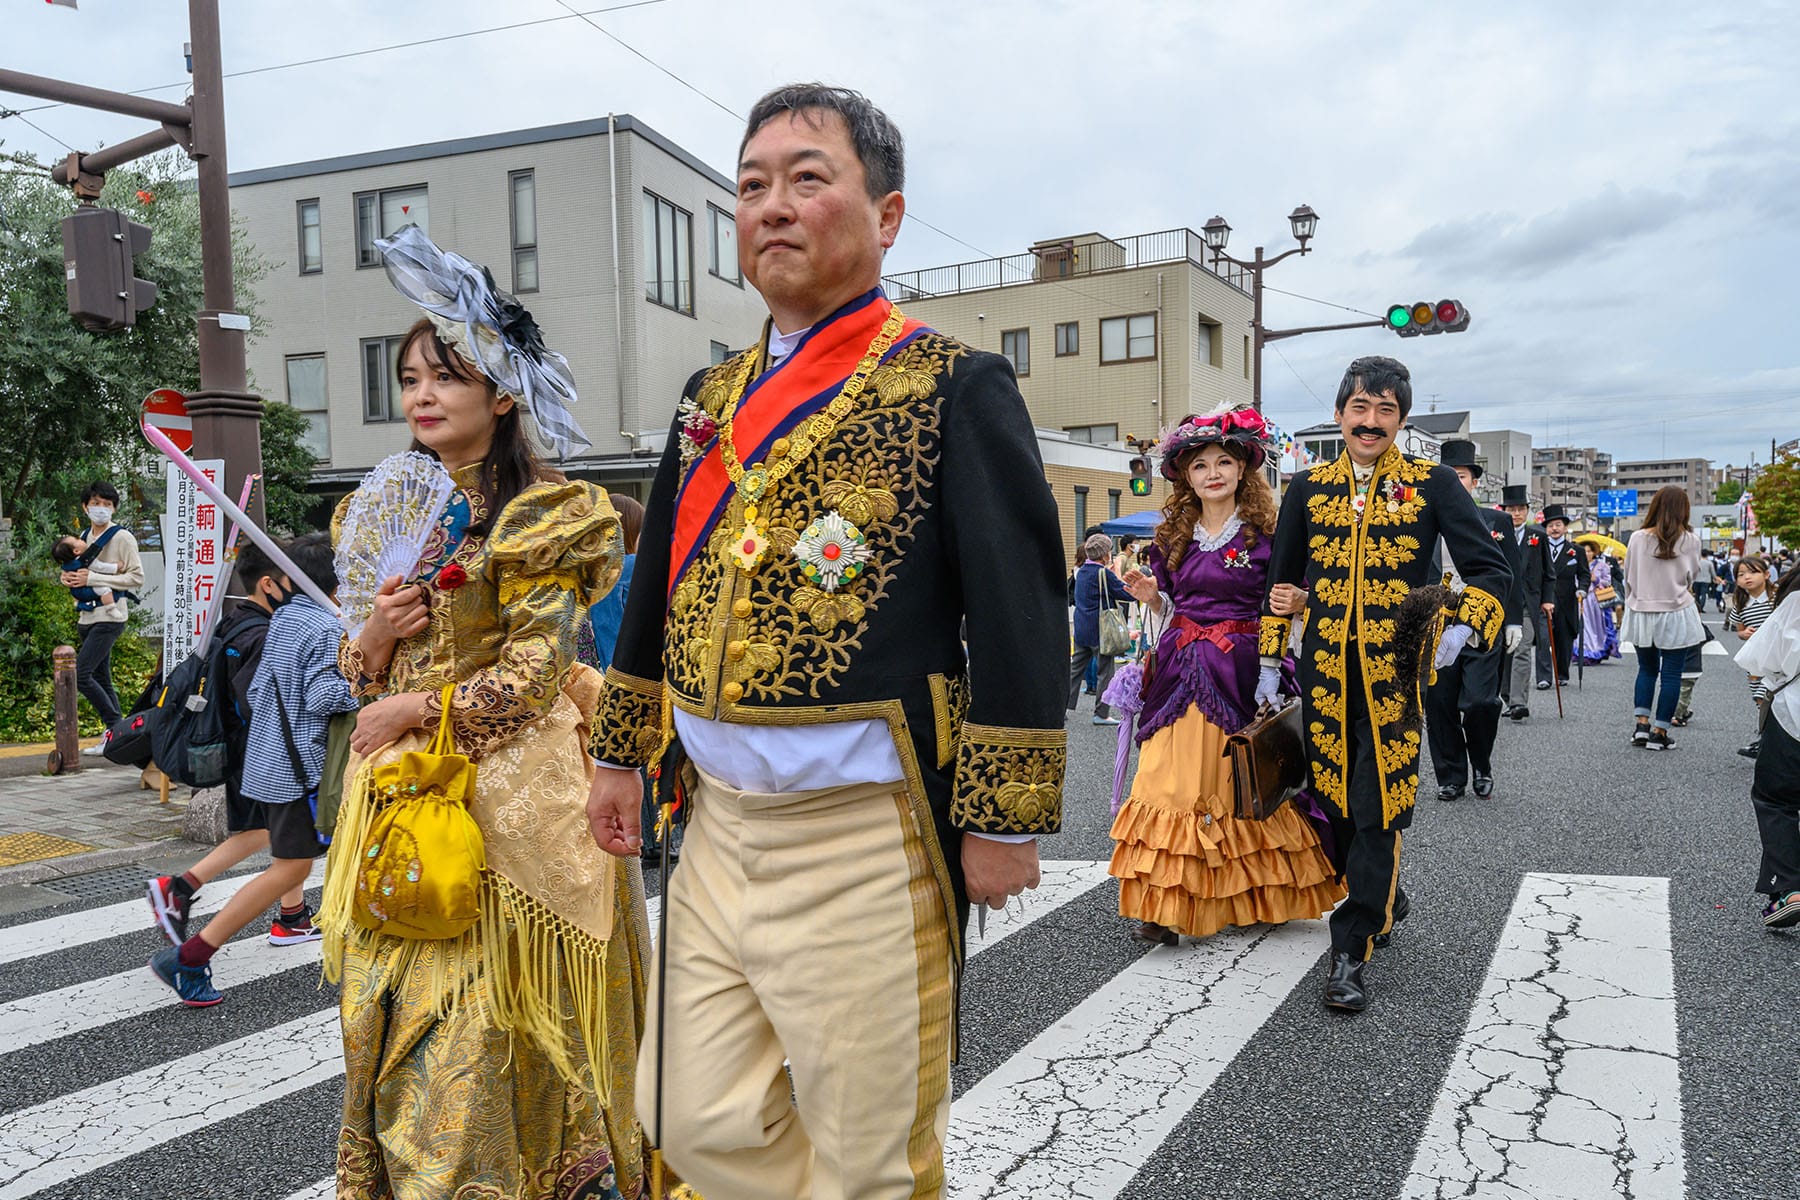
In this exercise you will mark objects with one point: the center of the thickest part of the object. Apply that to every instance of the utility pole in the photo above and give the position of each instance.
(227, 416)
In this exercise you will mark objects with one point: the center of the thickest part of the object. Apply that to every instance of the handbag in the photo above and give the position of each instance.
(1115, 637)
(1607, 594)
(331, 779)
(1268, 761)
(418, 871)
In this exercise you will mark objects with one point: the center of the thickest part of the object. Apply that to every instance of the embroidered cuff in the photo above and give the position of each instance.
(1483, 613)
(1272, 642)
(355, 668)
(1008, 780)
(628, 728)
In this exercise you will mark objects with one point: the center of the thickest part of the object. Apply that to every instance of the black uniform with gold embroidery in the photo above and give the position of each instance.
(936, 466)
(1360, 561)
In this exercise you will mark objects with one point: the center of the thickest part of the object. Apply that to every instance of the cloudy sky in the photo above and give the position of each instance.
(1612, 188)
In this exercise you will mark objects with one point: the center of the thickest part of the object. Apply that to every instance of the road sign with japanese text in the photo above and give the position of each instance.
(1615, 502)
(194, 560)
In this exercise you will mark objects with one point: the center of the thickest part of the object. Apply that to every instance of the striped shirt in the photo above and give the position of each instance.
(1755, 611)
(299, 662)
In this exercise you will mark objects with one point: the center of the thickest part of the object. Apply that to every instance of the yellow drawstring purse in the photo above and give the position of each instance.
(419, 868)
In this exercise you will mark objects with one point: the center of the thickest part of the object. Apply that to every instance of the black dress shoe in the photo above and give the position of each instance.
(1345, 988)
(1402, 906)
(1517, 712)
(1484, 786)
(1450, 791)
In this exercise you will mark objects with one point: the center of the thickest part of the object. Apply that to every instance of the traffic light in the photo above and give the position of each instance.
(100, 246)
(1411, 320)
(1140, 475)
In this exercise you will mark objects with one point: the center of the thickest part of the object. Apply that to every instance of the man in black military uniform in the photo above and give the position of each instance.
(1462, 709)
(1359, 532)
(1569, 570)
(1531, 567)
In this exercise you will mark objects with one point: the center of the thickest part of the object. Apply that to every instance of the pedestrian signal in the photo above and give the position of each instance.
(1412, 320)
(1140, 475)
(100, 248)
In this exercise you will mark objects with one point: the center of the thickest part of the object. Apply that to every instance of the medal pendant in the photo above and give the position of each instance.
(747, 548)
(754, 483)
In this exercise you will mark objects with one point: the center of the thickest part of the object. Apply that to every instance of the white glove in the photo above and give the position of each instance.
(1452, 643)
(1268, 687)
(1514, 635)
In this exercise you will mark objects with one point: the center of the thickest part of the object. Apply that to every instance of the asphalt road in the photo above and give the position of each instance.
(1312, 1104)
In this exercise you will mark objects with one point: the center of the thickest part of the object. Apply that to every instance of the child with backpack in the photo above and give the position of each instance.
(1773, 655)
(1748, 606)
(292, 697)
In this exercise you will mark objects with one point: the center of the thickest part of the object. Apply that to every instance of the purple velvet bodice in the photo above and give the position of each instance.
(1207, 589)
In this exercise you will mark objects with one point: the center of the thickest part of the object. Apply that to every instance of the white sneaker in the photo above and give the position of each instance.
(96, 748)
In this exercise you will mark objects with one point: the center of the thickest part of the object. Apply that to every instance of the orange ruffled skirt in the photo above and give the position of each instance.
(1184, 861)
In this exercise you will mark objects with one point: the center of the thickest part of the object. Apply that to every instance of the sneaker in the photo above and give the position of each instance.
(1752, 750)
(1782, 911)
(97, 748)
(1659, 740)
(292, 931)
(1106, 720)
(168, 909)
(192, 984)
(1543, 685)
(1640, 737)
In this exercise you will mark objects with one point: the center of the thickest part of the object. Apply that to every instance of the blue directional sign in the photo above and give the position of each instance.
(1616, 502)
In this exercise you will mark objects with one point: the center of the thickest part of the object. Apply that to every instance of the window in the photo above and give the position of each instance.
(1112, 503)
(1015, 344)
(523, 188)
(1128, 339)
(668, 255)
(1209, 343)
(312, 255)
(722, 254)
(381, 214)
(1068, 339)
(1081, 494)
(1097, 434)
(381, 393)
(306, 393)
(720, 352)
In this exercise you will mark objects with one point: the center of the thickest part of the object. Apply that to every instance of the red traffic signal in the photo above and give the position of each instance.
(1412, 320)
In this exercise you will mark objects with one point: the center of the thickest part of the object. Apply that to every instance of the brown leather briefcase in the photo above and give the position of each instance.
(1268, 761)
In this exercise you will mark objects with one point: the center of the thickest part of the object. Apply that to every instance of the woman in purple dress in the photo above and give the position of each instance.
(1184, 862)
(1599, 636)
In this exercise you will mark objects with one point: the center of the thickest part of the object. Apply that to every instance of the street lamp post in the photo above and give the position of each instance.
(1216, 232)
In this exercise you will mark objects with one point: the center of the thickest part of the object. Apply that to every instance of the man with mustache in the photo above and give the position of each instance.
(1359, 533)
(833, 504)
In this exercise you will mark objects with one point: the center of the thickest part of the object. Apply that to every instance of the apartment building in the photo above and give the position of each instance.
(621, 243)
(1110, 337)
(1569, 476)
(1692, 475)
(1505, 458)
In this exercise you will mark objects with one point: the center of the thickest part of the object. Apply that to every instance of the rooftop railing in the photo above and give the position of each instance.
(1057, 261)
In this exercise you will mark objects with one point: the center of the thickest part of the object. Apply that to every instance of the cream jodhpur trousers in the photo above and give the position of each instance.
(805, 927)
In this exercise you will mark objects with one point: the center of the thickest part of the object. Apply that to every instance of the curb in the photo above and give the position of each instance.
(49, 869)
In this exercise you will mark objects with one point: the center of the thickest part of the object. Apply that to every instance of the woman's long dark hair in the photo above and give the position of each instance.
(1790, 580)
(1667, 517)
(511, 464)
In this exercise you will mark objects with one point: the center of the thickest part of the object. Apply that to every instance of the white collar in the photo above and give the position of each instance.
(1229, 530)
(782, 344)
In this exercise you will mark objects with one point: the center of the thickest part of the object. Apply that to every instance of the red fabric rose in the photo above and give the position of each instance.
(451, 577)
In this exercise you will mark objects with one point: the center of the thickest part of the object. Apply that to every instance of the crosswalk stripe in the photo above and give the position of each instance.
(325, 1189)
(83, 1131)
(109, 920)
(43, 1017)
(1079, 1111)
(1567, 1082)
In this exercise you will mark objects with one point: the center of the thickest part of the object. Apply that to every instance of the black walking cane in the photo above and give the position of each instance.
(671, 809)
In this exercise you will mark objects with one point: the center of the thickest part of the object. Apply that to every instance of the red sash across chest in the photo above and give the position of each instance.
(774, 403)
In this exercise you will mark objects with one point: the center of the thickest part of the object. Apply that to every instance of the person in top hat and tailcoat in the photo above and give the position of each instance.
(1531, 567)
(1462, 708)
(1569, 584)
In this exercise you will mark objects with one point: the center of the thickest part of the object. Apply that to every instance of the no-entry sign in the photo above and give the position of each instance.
(166, 409)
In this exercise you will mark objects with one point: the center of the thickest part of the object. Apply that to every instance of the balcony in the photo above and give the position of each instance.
(1068, 259)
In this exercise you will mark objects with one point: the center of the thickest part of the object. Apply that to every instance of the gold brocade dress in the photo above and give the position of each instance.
(455, 1088)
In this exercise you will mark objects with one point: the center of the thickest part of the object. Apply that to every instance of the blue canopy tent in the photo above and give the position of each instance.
(1141, 524)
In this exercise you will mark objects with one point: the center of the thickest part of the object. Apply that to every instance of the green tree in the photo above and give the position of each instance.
(287, 466)
(1728, 492)
(1776, 499)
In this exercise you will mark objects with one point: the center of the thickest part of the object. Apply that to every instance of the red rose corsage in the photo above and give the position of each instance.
(451, 576)
(1534, 539)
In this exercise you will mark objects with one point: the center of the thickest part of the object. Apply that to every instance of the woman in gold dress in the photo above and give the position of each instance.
(497, 1064)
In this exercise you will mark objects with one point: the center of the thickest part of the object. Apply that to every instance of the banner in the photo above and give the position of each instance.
(193, 560)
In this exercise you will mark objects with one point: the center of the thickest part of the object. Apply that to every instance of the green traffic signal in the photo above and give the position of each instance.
(1399, 317)
(1140, 487)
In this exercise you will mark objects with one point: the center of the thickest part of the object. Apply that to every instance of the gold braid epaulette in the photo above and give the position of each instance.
(628, 728)
(1483, 613)
(1008, 780)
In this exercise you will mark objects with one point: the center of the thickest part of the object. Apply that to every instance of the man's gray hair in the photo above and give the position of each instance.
(1097, 548)
(878, 143)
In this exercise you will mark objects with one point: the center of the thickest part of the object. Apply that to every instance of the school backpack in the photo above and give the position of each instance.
(196, 718)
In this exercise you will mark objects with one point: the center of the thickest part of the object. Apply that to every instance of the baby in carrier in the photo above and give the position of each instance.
(70, 553)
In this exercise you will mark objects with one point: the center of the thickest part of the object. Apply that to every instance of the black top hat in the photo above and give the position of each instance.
(1514, 493)
(1460, 453)
(1554, 512)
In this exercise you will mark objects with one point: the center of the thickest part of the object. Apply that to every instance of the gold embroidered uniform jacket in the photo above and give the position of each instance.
(1359, 567)
(937, 465)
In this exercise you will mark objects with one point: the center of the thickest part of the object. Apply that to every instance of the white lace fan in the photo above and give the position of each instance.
(386, 527)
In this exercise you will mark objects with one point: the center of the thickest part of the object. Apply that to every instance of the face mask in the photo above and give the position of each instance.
(99, 514)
